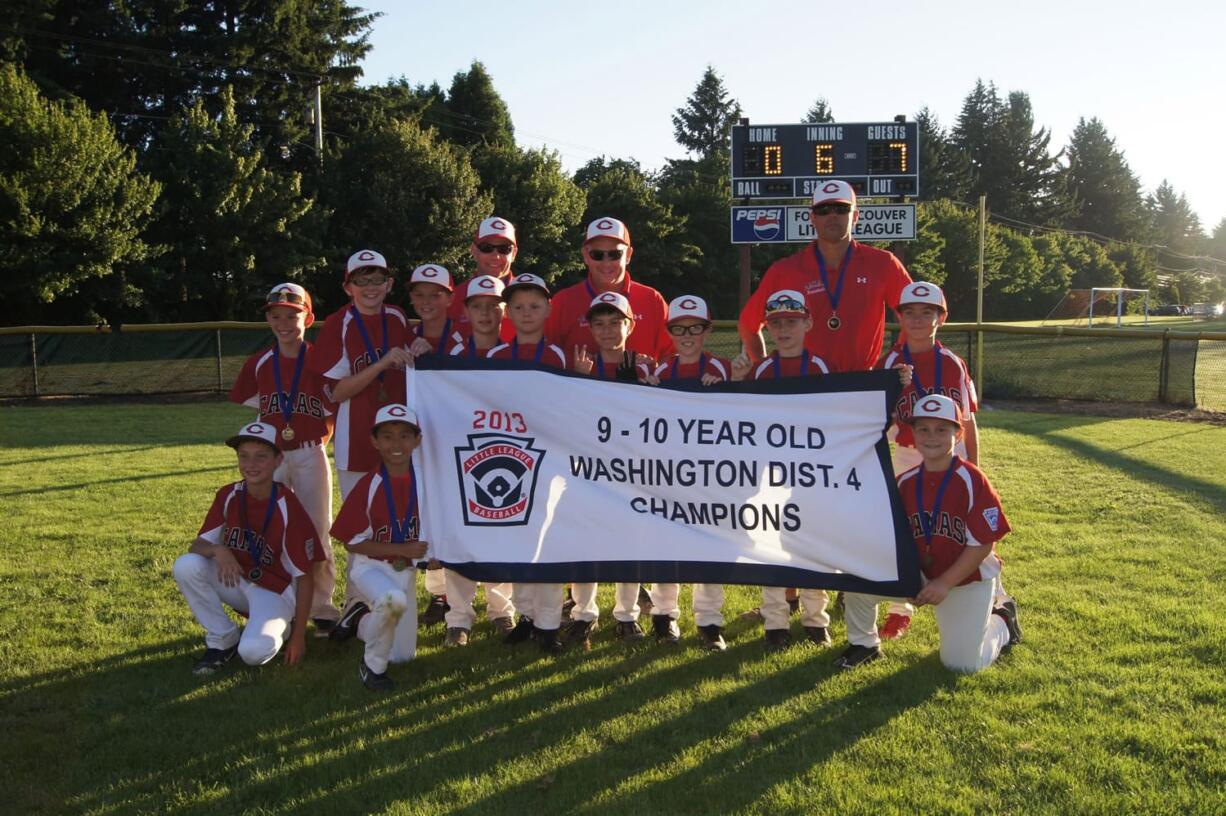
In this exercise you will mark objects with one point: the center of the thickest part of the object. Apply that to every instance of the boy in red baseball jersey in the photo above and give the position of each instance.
(483, 315)
(363, 349)
(956, 519)
(295, 401)
(494, 250)
(379, 525)
(256, 553)
(431, 293)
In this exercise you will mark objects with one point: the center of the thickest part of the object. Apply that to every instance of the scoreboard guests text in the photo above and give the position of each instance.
(789, 161)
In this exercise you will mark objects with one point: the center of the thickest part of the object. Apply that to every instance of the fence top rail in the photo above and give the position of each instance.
(1001, 328)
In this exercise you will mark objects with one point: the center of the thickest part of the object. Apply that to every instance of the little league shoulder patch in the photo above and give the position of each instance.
(497, 475)
(992, 516)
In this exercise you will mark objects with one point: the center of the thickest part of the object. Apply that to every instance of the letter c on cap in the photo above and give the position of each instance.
(395, 411)
(497, 224)
(688, 303)
(832, 187)
(608, 297)
(922, 291)
(486, 283)
(604, 223)
(429, 272)
(366, 256)
(932, 405)
(255, 428)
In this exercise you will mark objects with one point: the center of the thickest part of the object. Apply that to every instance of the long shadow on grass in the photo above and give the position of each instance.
(166, 474)
(90, 454)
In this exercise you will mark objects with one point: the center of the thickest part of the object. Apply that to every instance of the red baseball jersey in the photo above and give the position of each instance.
(776, 367)
(340, 351)
(312, 408)
(287, 547)
(551, 355)
(467, 347)
(567, 323)
(441, 343)
(955, 383)
(970, 515)
(364, 517)
(459, 318)
(874, 279)
(675, 370)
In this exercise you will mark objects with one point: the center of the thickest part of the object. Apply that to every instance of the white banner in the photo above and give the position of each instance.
(539, 475)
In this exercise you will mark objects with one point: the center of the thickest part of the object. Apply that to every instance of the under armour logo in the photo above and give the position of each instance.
(861, 280)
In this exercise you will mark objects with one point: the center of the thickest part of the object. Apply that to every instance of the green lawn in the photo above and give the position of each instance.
(1112, 704)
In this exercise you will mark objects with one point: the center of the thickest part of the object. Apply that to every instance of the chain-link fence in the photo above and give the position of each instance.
(1177, 368)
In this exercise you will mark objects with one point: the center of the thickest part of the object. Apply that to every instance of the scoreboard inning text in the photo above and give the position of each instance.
(789, 161)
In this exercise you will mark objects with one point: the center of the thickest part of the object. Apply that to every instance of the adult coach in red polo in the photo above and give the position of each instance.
(494, 250)
(607, 252)
(847, 286)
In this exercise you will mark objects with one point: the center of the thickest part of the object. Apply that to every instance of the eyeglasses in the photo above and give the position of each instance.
(601, 254)
(377, 279)
(693, 328)
(784, 304)
(285, 296)
(501, 249)
(827, 209)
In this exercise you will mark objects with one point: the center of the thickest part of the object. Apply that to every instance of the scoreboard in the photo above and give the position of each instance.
(790, 161)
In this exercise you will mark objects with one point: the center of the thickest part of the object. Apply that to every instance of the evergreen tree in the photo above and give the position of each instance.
(944, 169)
(72, 208)
(1108, 192)
(819, 113)
(1176, 226)
(474, 114)
(699, 188)
(702, 125)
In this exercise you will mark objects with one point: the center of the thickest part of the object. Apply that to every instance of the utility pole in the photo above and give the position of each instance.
(983, 221)
(319, 121)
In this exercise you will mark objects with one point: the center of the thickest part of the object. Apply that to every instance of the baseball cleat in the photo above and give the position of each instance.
(213, 660)
(323, 627)
(522, 631)
(666, 630)
(857, 656)
(503, 626)
(1008, 611)
(347, 626)
(548, 640)
(778, 639)
(436, 611)
(579, 633)
(895, 626)
(456, 636)
(712, 638)
(818, 635)
(629, 631)
(373, 680)
(754, 614)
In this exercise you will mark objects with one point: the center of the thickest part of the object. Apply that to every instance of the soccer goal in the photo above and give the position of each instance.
(1104, 306)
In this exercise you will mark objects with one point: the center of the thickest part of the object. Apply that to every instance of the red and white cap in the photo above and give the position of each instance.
(362, 259)
(614, 299)
(607, 228)
(690, 306)
(495, 227)
(525, 281)
(834, 192)
(290, 295)
(255, 431)
(923, 292)
(483, 286)
(937, 406)
(395, 413)
(432, 273)
(786, 303)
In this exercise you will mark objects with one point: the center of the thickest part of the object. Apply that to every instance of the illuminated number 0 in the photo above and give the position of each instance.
(823, 159)
(772, 160)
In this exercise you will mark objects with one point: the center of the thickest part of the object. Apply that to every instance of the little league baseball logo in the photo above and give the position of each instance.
(497, 479)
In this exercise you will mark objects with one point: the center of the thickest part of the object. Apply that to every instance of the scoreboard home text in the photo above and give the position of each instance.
(789, 161)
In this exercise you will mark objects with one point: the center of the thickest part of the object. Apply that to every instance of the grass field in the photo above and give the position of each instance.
(1112, 704)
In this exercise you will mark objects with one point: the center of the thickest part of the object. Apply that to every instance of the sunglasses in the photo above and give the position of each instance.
(601, 254)
(292, 298)
(827, 209)
(369, 280)
(694, 328)
(501, 249)
(784, 304)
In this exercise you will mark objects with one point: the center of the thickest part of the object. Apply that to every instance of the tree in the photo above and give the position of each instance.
(234, 228)
(1108, 192)
(72, 207)
(958, 228)
(474, 113)
(702, 125)
(945, 170)
(1177, 228)
(819, 113)
(699, 188)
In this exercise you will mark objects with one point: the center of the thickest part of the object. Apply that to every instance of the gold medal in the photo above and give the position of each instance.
(287, 433)
(833, 323)
(400, 565)
(255, 574)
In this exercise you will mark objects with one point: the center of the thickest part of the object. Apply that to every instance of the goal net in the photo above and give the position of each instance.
(1101, 306)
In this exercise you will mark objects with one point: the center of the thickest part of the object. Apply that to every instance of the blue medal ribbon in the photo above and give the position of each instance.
(702, 366)
(287, 404)
(251, 542)
(837, 294)
(472, 348)
(370, 348)
(442, 337)
(536, 358)
(928, 520)
(778, 368)
(399, 528)
(936, 364)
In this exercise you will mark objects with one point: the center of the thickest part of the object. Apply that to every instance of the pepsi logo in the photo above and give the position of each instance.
(688, 303)
(767, 225)
(922, 291)
(931, 405)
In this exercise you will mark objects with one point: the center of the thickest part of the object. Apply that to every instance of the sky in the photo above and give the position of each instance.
(596, 78)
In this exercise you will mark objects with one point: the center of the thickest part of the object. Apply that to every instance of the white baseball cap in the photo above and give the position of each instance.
(615, 299)
(524, 281)
(257, 431)
(395, 413)
(834, 191)
(608, 228)
(362, 259)
(690, 306)
(432, 273)
(936, 406)
(495, 227)
(786, 303)
(923, 292)
(290, 295)
(483, 286)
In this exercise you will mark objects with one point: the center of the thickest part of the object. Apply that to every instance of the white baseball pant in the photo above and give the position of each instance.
(436, 582)
(625, 607)
(269, 615)
(460, 593)
(776, 612)
(306, 471)
(540, 603)
(389, 630)
(708, 602)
